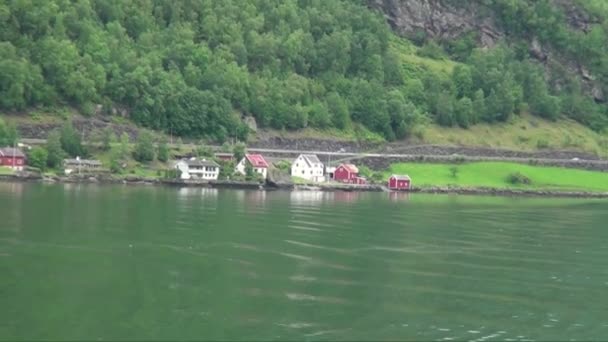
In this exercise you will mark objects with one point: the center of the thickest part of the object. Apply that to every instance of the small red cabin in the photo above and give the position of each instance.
(346, 173)
(399, 182)
(12, 157)
(224, 156)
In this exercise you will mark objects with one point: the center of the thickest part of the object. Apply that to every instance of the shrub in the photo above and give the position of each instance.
(542, 143)
(517, 178)
(454, 171)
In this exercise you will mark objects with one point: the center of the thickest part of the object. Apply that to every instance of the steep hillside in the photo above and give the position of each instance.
(196, 67)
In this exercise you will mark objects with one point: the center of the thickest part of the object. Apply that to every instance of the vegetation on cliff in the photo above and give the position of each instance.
(194, 67)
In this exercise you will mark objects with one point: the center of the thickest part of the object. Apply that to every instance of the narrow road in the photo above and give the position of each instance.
(342, 156)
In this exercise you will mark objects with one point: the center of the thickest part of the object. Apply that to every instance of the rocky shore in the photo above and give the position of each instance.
(248, 185)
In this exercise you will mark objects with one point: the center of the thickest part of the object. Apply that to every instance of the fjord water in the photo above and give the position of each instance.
(93, 262)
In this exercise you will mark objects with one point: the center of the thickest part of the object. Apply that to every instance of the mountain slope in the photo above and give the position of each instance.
(195, 67)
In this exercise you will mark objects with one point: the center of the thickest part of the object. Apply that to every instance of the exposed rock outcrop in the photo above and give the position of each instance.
(438, 19)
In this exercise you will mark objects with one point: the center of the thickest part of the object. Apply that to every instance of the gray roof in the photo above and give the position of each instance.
(198, 162)
(93, 162)
(9, 152)
(401, 177)
(311, 159)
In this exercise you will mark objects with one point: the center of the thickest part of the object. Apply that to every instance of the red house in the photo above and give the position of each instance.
(346, 173)
(399, 182)
(12, 157)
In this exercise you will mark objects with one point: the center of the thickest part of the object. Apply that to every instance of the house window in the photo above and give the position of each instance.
(302, 171)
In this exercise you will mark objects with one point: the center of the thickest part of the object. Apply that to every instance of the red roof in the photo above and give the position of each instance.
(401, 177)
(351, 168)
(257, 160)
(10, 152)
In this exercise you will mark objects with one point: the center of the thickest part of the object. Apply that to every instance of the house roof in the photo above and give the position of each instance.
(202, 162)
(311, 159)
(351, 168)
(401, 177)
(82, 161)
(9, 152)
(256, 160)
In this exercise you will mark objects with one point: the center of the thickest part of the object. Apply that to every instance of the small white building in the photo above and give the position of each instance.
(257, 162)
(308, 166)
(81, 166)
(198, 169)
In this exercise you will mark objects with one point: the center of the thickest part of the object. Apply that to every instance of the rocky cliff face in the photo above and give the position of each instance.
(438, 19)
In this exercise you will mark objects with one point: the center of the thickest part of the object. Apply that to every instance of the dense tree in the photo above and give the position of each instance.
(55, 152)
(8, 134)
(463, 110)
(144, 147)
(70, 141)
(37, 158)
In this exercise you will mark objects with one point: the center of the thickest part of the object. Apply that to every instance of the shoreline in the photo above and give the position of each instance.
(334, 187)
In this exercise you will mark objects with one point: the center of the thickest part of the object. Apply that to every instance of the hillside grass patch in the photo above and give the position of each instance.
(524, 132)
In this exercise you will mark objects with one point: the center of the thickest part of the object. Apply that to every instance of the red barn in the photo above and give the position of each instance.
(399, 182)
(346, 173)
(12, 157)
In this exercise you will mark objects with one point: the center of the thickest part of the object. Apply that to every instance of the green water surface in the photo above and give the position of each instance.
(152, 263)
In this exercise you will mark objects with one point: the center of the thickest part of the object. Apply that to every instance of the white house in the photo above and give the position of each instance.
(198, 169)
(257, 162)
(308, 166)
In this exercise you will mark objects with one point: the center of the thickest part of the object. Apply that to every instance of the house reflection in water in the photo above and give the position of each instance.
(309, 197)
(255, 196)
(346, 196)
(15, 189)
(399, 196)
(195, 191)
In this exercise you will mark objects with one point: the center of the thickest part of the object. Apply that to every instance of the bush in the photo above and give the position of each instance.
(454, 171)
(542, 144)
(283, 165)
(163, 151)
(204, 151)
(517, 178)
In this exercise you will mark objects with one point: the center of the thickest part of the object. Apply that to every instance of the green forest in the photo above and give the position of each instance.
(194, 67)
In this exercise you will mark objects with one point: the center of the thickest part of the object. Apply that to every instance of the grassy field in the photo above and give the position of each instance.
(523, 132)
(6, 171)
(496, 174)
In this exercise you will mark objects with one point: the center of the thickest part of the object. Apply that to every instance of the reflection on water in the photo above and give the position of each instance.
(15, 189)
(111, 262)
(346, 196)
(399, 196)
(197, 191)
(309, 197)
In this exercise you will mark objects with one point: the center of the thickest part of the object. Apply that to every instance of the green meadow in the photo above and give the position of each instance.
(501, 175)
